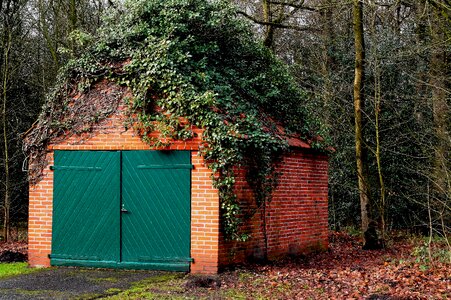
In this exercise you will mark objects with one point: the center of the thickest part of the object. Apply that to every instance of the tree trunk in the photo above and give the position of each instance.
(72, 24)
(269, 29)
(327, 63)
(381, 204)
(440, 110)
(73, 15)
(51, 45)
(439, 81)
(360, 148)
(7, 184)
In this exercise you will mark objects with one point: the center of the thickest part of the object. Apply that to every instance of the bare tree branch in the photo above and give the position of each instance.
(278, 25)
(294, 5)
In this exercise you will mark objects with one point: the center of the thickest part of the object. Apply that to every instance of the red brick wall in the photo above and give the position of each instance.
(204, 219)
(110, 134)
(296, 218)
(40, 219)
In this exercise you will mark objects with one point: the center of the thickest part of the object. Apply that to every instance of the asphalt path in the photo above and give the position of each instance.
(70, 283)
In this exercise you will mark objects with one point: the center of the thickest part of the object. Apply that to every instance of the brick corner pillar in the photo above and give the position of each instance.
(40, 219)
(204, 219)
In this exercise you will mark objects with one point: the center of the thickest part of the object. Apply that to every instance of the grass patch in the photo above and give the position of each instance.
(234, 294)
(165, 286)
(32, 294)
(113, 291)
(23, 292)
(13, 269)
(104, 279)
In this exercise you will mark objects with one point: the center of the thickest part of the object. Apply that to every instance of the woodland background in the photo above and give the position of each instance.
(406, 95)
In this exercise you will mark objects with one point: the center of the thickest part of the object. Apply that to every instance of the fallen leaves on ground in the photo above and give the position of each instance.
(13, 251)
(346, 272)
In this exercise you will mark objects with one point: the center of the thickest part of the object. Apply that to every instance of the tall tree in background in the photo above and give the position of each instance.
(440, 96)
(6, 47)
(400, 136)
(36, 38)
(66, 26)
(359, 105)
(434, 21)
(12, 74)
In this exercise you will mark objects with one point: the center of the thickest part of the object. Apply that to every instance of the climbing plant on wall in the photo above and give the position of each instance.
(190, 63)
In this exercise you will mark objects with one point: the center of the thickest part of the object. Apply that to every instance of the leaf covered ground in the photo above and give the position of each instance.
(13, 252)
(401, 271)
(345, 271)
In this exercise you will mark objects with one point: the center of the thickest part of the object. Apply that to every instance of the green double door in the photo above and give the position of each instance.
(128, 209)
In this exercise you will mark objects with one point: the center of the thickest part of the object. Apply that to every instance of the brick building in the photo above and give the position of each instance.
(85, 210)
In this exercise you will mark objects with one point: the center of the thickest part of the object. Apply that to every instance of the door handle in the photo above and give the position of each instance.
(123, 209)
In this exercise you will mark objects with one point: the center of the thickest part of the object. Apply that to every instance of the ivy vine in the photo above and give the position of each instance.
(197, 60)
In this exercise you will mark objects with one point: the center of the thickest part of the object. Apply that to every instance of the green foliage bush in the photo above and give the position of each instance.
(198, 60)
